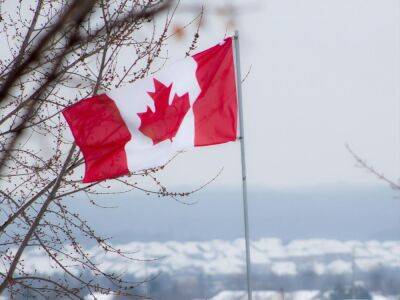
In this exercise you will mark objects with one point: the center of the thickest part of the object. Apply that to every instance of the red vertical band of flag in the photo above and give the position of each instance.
(101, 134)
(215, 110)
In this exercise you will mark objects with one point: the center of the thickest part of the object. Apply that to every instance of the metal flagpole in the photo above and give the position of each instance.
(243, 157)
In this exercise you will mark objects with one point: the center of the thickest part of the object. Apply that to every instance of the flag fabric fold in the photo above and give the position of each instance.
(143, 125)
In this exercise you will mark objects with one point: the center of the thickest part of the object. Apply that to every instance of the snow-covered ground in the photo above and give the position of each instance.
(273, 295)
(216, 269)
(266, 295)
(270, 255)
(261, 295)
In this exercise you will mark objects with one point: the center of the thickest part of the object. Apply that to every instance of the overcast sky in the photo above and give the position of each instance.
(323, 73)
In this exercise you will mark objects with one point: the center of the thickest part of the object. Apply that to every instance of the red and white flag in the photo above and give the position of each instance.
(143, 125)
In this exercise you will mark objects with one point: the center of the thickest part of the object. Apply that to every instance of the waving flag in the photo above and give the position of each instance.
(145, 124)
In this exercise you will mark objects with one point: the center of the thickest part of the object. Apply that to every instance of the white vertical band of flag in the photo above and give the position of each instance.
(243, 163)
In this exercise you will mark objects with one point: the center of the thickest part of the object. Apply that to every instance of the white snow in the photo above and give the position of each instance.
(218, 257)
(284, 268)
(98, 296)
(266, 295)
(276, 295)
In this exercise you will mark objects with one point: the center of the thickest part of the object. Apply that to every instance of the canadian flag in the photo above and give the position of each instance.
(143, 125)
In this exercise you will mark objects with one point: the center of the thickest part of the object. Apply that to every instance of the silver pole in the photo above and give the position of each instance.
(243, 156)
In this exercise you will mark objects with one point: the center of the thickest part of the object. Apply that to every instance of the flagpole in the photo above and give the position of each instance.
(243, 160)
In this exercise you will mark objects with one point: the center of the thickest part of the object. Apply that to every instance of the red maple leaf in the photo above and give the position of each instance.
(164, 123)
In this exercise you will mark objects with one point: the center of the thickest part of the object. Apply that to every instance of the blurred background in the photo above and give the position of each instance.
(319, 75)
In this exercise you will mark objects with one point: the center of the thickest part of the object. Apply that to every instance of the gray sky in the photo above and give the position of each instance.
(323, 73)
